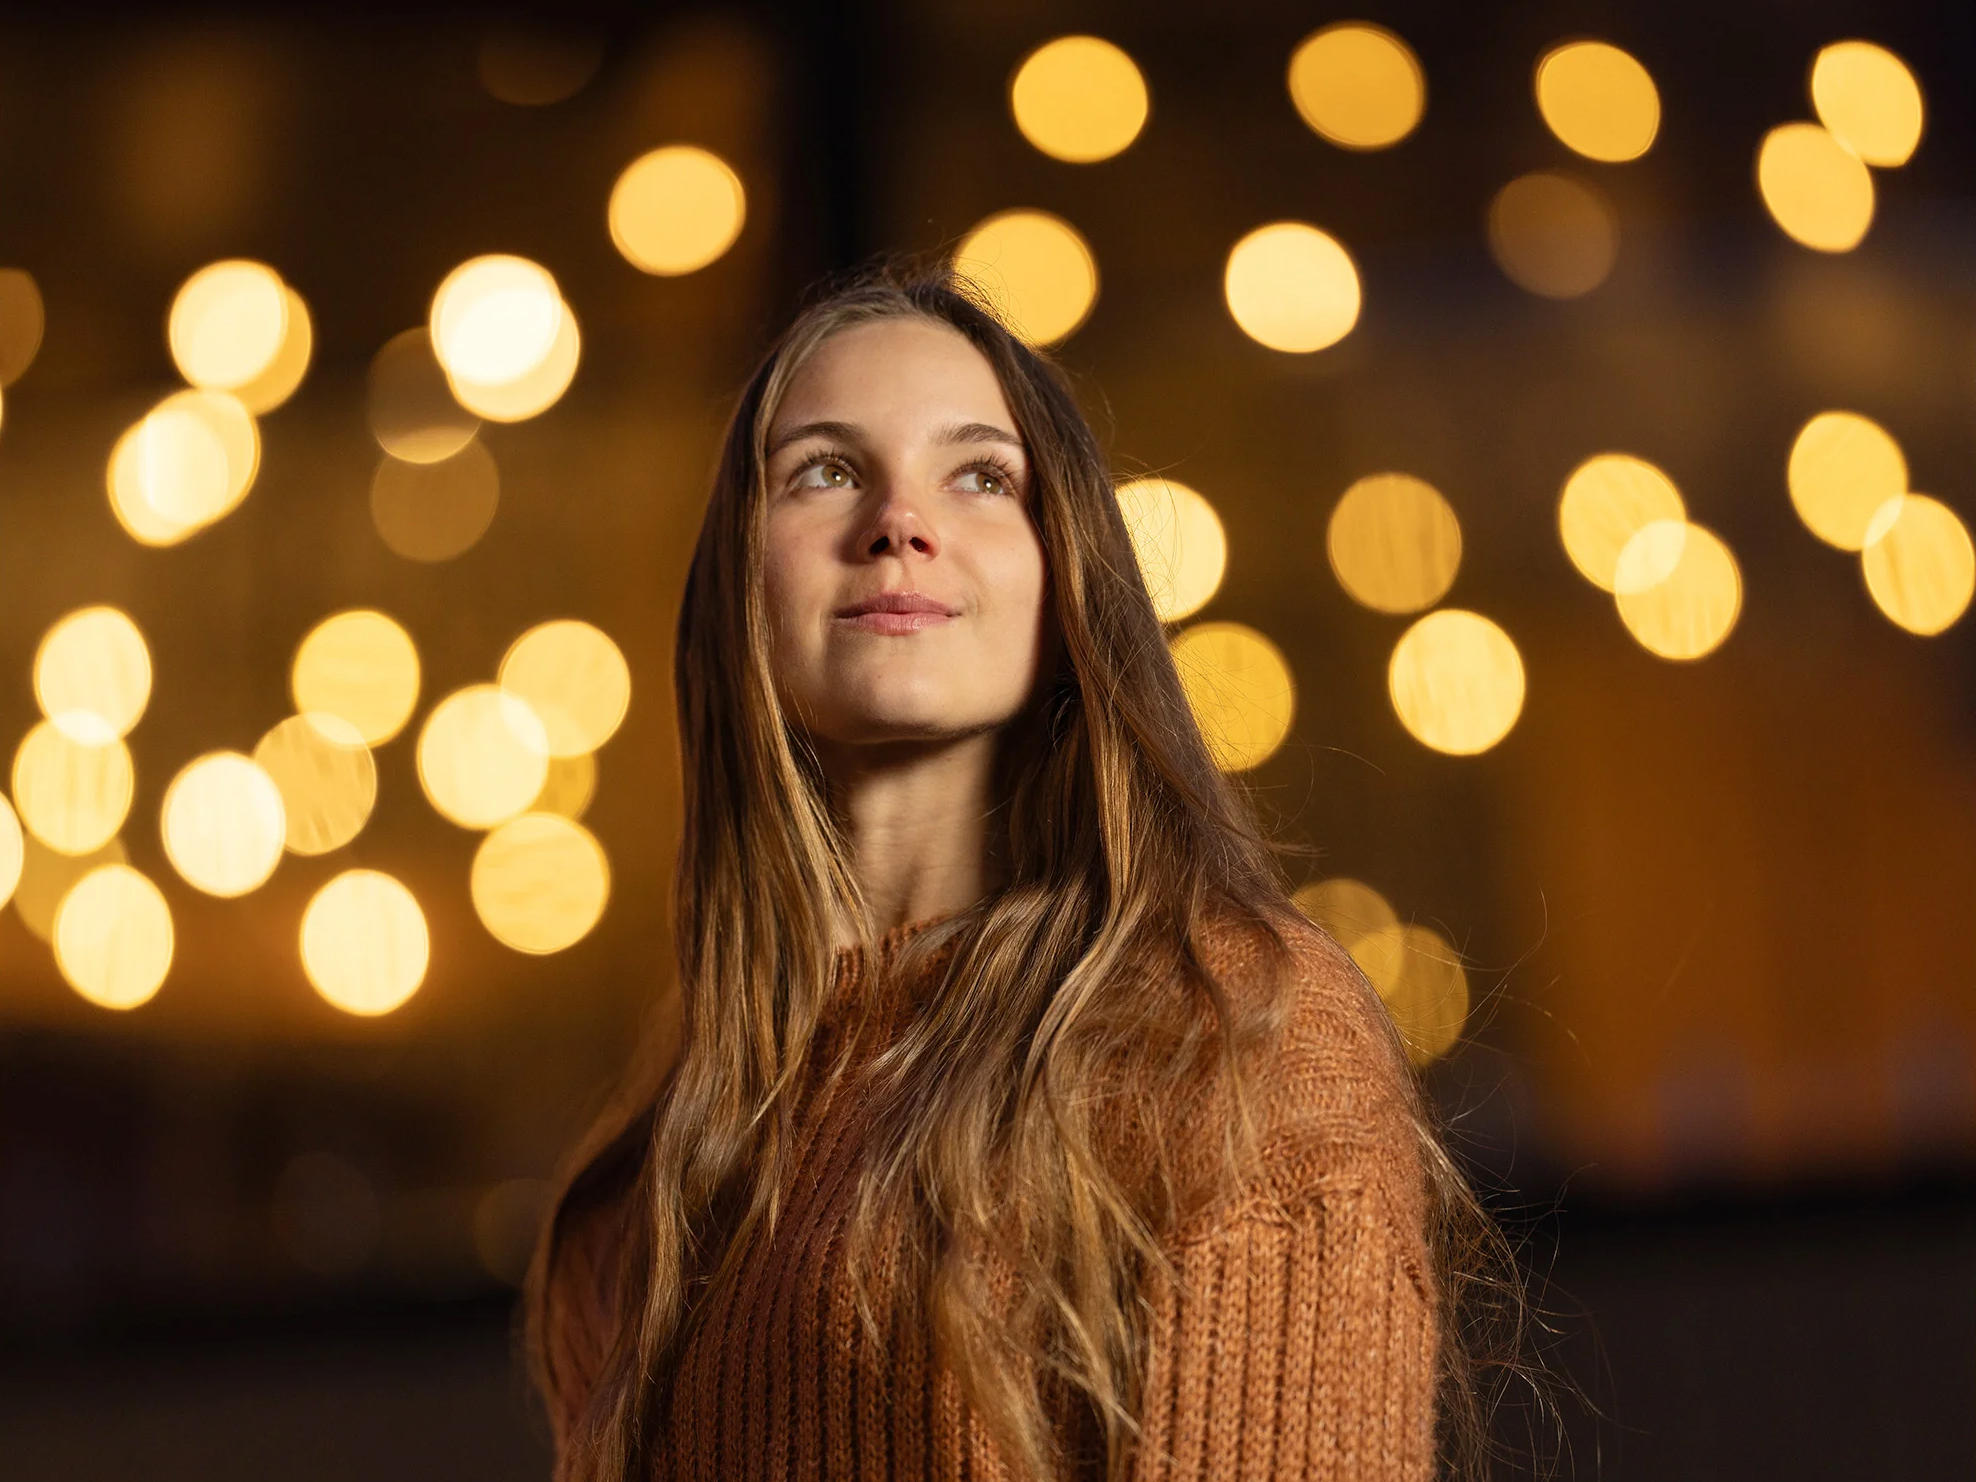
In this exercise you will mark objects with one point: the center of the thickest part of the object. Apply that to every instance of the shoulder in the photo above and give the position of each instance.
(1335, 1107)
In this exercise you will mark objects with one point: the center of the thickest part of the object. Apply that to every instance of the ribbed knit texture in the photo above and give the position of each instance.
(1300, 1342)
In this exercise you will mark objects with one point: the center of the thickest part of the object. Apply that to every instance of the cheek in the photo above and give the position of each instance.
(1017, 574)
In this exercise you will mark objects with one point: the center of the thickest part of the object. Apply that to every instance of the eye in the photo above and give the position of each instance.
(825, 473)
(985, 479)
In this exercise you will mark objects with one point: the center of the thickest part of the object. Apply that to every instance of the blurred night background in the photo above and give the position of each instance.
(1560, 507)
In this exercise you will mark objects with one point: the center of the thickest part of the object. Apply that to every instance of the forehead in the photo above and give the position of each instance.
(895, 373)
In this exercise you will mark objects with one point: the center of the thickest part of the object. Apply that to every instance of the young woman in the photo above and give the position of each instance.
(1019, 1127)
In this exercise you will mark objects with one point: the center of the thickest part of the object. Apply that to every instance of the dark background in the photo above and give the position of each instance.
(1721, 1079)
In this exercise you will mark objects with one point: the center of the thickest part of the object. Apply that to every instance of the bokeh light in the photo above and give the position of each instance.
(71, 796)
(1240, 689)
(13, 850)
(676, 209)
(1292, 287)
(1678, 589)
(365, 946)
(47, 876)
(228, 323)
(22, 322)
(1179, 542)
(569, 787)
(413, 413)
(224, 824)
(540, 882)
(1456, 682)
(326, 776)
(113, 937)
(1919, 564)
(574, 679)
(361, 666)
(1817, 189)
(1606, 501)
(1394, 543)
(1358, 85)
(284, 373)
(1554, 234)
(92, 675)
(1843, 469)
(1035, 269)
(530, 394)
(1598, 100)
(1079, 99)
(1420, 979)
(495, 318)
(188, 462)
(1346, 908)
(1869, 100)
(483, 756)
(435, 511)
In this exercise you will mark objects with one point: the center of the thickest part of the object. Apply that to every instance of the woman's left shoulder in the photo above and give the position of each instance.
(1334, 1097)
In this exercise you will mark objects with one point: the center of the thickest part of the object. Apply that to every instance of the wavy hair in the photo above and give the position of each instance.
(1118, 841)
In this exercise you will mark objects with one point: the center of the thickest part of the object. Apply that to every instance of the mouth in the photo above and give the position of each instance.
(895, 612)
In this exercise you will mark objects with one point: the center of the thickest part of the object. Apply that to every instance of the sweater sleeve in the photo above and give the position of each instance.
(1292, 1347)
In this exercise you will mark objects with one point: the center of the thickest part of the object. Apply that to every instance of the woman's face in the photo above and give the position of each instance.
(905, 576)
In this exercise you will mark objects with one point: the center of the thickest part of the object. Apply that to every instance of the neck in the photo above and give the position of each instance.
(917, 817)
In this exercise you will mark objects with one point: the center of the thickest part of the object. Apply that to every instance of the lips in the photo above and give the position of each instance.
(896, 612)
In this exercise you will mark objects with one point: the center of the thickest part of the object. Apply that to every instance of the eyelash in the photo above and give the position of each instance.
(985, 464)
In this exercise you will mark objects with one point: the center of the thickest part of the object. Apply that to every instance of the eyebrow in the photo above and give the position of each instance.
(958, 432)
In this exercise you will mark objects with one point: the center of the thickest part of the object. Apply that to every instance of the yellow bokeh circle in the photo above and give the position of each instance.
(483, 756)
(92, 675)
(1869, 100)
(1394, 543)
(1420, 979)
(532, 392)
(327, 779)
(224, 823)
(359, 665)
(1598, 100)
(1678, 589)
(1843, 468)
(365, 947)
(1553, 234)
(676, 209)
(228, 323)
(1817, 189)
(1456, 682)
(1606, 501)
(575, 680)
(1291, 287)
(1919, 565)
(495, 318)
(72, 797)
(13, 850)
(1036, 270)
(1348, 909)
(1177, 537)
(1358, 85)
(540, 882)
(1079, 99)
(1241, 691)
(113, 937)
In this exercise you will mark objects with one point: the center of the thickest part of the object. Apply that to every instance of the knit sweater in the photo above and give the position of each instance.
(1299, 1342)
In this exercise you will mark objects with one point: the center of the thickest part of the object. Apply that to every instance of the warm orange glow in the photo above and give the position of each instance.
(540, 883)
(435, 511)
(529, 394)
(1035, 268)
(1817, 189)
(1178, 539)
(361, 666)
(1079, 99)
(1292, 287)
(1919, 564)
(1241, 690)
(284, 373)
(13, 850)
(92, 675)
(365, 946)
(495, 319)
(676, 210)
(1420, 979)
(1348, 909)
(113, 937)
(1358, 85)
(1606, 501)
(1456, 682)
(1678, 588)
(574, 679)
(72, 797)
(228, 324)
(1598, 100)
(327, 779)
(1553, 234)
(186, 464)
(1869, 100)
(483, 756)
(1843, 470)
(413, 413)
(22, 321)
(1394, 543)
(47, 877)
(224, 824)
(571, 784)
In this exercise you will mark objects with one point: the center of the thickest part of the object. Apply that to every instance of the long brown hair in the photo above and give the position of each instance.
(1118, 842)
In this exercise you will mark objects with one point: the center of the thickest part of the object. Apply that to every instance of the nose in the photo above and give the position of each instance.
(898, 526)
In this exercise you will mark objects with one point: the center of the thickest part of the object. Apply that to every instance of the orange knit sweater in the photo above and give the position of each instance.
(1300, 1342)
